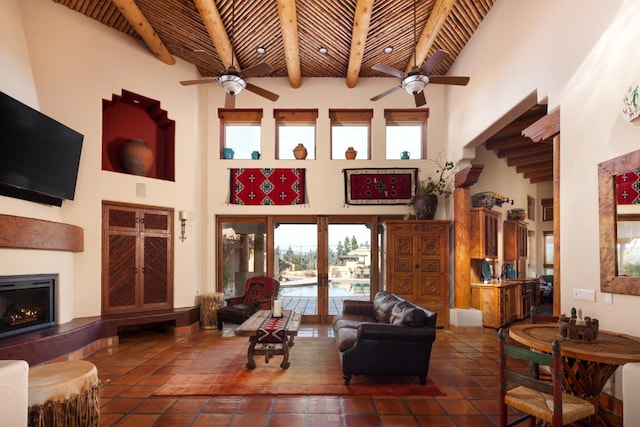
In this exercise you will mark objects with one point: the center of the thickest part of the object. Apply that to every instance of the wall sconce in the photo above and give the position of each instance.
(183, 224)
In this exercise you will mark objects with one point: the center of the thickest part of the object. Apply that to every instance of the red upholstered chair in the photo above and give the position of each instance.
(258, 293)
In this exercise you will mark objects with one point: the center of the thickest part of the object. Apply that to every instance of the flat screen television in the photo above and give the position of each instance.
(39, 156)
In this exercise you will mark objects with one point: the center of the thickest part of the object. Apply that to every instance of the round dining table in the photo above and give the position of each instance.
(587, 365)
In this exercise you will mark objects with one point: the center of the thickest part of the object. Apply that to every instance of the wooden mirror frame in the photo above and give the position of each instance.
(609, 281)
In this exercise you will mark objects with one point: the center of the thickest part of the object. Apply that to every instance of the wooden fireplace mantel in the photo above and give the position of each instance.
(19, 232)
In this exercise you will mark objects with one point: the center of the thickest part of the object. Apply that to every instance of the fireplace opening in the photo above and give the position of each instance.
(27, 303)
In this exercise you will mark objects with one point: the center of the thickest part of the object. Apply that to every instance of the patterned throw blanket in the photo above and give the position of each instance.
(272, 330)
(272, 186)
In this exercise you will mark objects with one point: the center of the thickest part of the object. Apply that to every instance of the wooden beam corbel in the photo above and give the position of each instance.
(545, 128)
(358, 40)
(436, 20)
(138, 21)
(289, 29)
(218, 34)
(468, 176)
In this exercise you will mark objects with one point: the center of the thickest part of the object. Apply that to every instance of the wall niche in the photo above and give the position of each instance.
(132, 116)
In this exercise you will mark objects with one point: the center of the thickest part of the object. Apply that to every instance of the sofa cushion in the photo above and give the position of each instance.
(383, 304)
(346, 337)
(349, 321)
(405, 313)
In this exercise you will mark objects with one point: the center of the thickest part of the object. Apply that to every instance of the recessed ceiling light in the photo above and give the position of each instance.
(261, 50)
(388, 49)
(322, 50)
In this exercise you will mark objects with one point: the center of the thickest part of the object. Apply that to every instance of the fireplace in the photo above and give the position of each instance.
(27, 303)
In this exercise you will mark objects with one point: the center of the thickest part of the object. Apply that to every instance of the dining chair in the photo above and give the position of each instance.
(536, 399)
(540, 372)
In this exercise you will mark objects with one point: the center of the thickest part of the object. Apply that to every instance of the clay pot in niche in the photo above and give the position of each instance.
(300, 152)
(350, 154)
(136, 157)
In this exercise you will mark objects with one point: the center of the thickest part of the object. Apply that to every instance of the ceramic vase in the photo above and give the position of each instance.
(350, 154)
(425, 205)
(136, 157)
(300, 152)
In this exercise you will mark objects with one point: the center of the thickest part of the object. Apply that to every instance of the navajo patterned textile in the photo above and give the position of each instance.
(628, 187)
(384, 186)
(278, 186)
(272, 330)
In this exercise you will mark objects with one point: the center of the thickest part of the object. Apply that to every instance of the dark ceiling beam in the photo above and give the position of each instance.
(541, 179)
(434, 24)
(539, 173)
(527, 160)
(507, 142)
(545, 128)
(141, 25)
(358, 40)
(289, 30)
(532, 149)
(534, 167)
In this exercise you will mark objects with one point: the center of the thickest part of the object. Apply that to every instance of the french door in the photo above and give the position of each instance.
(319, 260)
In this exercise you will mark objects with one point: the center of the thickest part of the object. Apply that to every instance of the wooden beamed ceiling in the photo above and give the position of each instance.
(532, 159)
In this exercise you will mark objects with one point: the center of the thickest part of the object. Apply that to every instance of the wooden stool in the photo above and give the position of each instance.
(64, 394)
(209, 309)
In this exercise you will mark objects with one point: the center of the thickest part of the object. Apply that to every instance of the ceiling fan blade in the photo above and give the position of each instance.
(213, 65)
(385, 93)
(420, 99)
(229, 100)
(199, 81)
(434, 61)
(262, 92)
(449, 80)
(259, 70)
(389, 70)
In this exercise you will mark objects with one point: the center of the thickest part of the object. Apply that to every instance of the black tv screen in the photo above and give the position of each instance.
(39, 156)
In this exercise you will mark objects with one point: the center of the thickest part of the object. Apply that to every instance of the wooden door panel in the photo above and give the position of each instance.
(122, 272)
(122, 218)
(155, 273)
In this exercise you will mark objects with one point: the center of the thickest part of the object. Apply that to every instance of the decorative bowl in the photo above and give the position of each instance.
(483, 200)
(516, 214)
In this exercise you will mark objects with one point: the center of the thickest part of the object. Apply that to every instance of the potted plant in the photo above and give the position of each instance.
(425, 201)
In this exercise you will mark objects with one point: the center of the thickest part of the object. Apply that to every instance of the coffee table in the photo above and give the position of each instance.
(250, 329)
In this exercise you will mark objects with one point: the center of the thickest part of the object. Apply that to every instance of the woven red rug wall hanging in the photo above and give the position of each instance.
(278, 186)
(385, 186)
(628, 188)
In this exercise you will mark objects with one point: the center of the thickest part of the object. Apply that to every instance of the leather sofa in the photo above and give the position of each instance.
(386, 336)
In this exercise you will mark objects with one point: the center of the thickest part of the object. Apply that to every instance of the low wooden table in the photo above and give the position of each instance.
(586, 366)
(250, 329)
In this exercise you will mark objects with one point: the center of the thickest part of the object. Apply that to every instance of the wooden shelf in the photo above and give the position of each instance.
(19, 232)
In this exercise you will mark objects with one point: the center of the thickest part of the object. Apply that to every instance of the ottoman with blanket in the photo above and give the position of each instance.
(386, 336)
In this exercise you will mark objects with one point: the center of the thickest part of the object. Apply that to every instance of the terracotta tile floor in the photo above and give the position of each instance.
(464, 366)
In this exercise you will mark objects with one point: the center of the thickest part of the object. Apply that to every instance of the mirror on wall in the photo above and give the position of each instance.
(619, 194)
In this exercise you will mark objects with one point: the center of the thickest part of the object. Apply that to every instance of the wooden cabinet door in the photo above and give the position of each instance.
(515, 240)
(484, 233)
(137, 271)
(418, 264)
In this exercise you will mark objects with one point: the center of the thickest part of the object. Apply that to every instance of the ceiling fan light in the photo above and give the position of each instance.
(232, 84)
(415, 83)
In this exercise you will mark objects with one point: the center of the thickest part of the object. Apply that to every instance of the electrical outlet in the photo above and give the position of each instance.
(584, 294)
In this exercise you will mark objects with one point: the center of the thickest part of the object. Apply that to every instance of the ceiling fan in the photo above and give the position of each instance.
(417, 79)
(233, 80)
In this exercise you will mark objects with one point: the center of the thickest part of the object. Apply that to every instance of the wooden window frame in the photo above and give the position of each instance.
(404, 117)
(347, 116)
(298, 116)
(246, 116)
(547, 209)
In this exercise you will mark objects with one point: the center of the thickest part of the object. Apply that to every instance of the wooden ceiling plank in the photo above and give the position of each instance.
(139, 22)
(545, 128)
(217, 32)
(361, 23)
(533, 167)
(539, 173)
(289, 29)
(541, 179)
(436, 20)
(507, 142)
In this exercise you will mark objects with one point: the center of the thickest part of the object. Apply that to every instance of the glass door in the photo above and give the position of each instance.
(322, 263)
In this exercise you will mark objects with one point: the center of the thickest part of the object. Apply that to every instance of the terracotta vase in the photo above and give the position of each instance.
(425, 205)
(300, 152)
(136, 157)
(350, 154)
